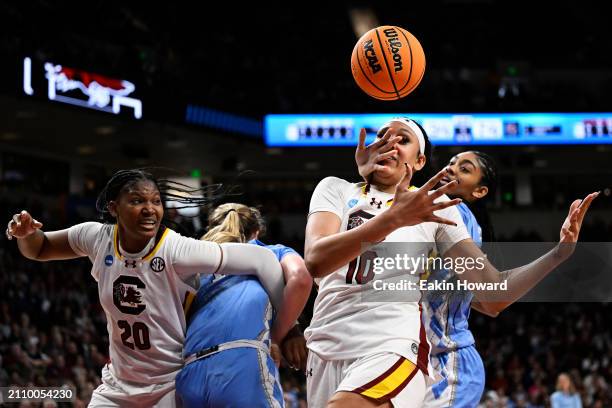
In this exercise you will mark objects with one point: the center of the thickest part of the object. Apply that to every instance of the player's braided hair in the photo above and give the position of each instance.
(170, 191)
(234, 222)
(489, 178)
(488, 168)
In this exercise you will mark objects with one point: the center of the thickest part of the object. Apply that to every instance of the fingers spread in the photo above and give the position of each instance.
(382, 140)
(390, 145)
(405, 183)
(442, 190)
(434, 180)
(446, 204)
(386, 155)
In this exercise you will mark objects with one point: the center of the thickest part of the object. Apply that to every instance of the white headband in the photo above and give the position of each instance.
(415, 129)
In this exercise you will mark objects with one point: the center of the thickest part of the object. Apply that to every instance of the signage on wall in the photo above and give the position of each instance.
(83, 88)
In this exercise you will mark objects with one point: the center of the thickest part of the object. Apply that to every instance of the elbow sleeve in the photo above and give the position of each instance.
(245, 259)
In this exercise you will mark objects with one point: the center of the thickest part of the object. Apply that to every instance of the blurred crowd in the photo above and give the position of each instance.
(530, 344)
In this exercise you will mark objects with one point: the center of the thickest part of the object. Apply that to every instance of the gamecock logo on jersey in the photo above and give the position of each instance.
(126, 295)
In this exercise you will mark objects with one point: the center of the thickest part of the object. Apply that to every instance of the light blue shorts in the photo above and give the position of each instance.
(463, 379)
(239, 377)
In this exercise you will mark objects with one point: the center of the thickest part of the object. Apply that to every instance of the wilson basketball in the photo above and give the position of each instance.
(388, 63)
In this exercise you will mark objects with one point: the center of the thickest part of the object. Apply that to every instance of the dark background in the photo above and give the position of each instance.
(258, 59)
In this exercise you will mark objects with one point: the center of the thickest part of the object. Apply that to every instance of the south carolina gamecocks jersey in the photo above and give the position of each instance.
(142, 296)
(344, 324)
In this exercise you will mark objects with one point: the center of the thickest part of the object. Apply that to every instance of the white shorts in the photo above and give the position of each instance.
(379, 377)
(117, 393)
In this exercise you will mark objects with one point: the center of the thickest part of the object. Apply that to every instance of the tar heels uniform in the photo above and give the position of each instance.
(376, 349)
(228, 361)
(142, 296)
(453, 354)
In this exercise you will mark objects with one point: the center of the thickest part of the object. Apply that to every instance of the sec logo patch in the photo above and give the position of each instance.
(158, 264)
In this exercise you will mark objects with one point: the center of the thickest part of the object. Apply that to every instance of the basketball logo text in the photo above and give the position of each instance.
(368, 49)
(394, 44)
(158, 264)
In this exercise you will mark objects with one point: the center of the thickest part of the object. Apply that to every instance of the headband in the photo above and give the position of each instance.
(415, 129)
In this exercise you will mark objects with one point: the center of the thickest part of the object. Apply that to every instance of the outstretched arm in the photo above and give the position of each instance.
(522, 279)
(193, 256)
(37, 245)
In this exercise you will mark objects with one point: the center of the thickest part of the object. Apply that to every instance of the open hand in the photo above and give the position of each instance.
(416, 206)
(570, 230)
(368, 157)
(22, 225)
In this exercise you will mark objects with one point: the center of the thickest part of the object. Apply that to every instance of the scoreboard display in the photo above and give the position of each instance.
(444, 129)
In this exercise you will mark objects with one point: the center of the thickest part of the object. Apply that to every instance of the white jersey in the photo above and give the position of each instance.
(142, 296)
(344, 326)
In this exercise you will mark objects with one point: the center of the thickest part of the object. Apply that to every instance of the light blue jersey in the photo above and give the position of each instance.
(228, 309)
(448, 311)
(453, 354)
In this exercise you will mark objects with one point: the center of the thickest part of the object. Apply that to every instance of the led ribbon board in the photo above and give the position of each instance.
(444, 129)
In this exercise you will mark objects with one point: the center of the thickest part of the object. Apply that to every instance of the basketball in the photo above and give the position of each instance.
(388, 63)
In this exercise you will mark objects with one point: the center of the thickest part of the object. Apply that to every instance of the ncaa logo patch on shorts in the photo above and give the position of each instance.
(352, 203)
(108, 261)
(414, 348)
(158, 264)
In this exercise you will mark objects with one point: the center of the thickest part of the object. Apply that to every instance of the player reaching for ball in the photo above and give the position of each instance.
(144, 271)
(454, 356)
(365, 354)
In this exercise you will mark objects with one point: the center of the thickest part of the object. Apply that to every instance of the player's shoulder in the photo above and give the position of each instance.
(94, 228)
(176, 242)
(339, 184)
(334, 181)
(93, 225)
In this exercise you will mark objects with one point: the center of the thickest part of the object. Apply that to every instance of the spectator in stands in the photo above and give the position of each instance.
(566, 395)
